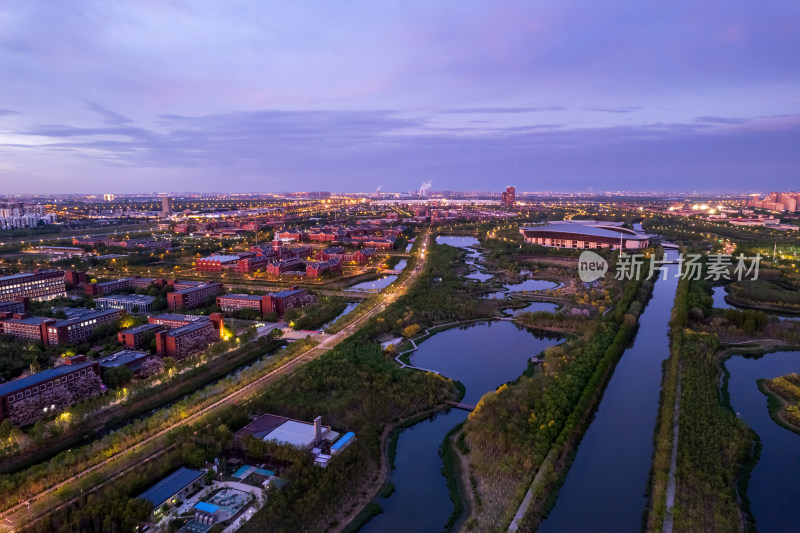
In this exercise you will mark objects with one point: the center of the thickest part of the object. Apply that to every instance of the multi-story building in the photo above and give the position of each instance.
(293, 264)
(192, 297)
(290, 299)
(230, 303)
(166, 206)
(75, 277)
(187, 340)
(37, 285)
(30, 387)
(130, 303)
(253, 264)
(217, 263)
(172, 320)
(315, 269)
(292, 235)
(79, 329)
(509, 197)
(359, 257)
(32, 328)
(128, 358)
(107, 287)
(14, 306)
(139, 336)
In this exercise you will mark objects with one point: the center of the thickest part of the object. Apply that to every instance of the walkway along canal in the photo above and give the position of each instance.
(605, 487)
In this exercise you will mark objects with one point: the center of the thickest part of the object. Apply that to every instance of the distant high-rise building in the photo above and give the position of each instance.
(166, 205)
(108, 197)
(509, 197)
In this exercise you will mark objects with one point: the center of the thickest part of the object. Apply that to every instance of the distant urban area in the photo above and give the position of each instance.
(200, 362)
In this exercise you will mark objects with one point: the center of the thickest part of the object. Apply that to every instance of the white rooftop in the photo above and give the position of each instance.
(292, 432)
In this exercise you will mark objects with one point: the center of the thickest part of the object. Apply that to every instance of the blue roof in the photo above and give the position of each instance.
(284, 294)
(341, 442)
(206, 507)
(44, 375)
(122, 357)
(167, 487)
(241, 471)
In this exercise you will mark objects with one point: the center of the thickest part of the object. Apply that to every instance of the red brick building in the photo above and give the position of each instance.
(79, 329)
(192, 297)
(30, 329)
(290, 299)
(253, 264)
(292, 235)
(139, 336)
(230, 303)
(75, 277)
(30, 387)
(293, 264)
(110, 287)
(315, 269)
(14, 306)
(172, 320)
(360, 257)
(37, 285)
(187, 340)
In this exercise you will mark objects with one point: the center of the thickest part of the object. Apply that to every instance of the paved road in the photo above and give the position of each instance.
(18, 514)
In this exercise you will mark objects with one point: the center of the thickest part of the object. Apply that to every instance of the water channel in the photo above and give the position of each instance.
(483, 357)
(773, 489)
(605, 488)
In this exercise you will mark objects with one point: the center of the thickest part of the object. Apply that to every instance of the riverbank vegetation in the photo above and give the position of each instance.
(530, 425)
(784, 391)
(770, 295)
(713, 444)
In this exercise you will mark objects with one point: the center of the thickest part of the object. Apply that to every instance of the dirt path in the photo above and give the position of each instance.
(673, 462)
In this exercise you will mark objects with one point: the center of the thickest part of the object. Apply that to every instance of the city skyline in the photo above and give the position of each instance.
(194, 96)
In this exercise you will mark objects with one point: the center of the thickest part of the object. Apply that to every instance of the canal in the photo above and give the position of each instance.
(605, 487)
(773, 489)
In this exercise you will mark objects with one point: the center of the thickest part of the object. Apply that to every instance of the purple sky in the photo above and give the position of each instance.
(157, 95)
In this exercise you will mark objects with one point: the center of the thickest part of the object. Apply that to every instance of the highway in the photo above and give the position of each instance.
(17, 516)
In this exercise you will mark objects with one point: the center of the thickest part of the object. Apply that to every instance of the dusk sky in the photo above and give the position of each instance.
(156, 95)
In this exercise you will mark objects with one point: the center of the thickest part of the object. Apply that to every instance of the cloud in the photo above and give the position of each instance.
(720, 120)
(335, 150)
(110, 116)
(6, 112)
(627, 109)
(503, 110)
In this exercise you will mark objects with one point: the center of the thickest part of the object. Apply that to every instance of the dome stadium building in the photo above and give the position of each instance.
(585, 234)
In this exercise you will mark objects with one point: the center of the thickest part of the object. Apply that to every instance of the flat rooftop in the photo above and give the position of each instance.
(167, 487)
(292, 432)
(137, 298)
(44, 375)
(122, 357)
(142, 328)
(253, 297)
(31, 320)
